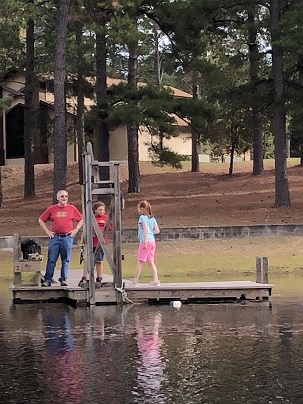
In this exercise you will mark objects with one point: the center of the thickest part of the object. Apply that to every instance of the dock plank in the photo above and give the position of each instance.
(202, 285)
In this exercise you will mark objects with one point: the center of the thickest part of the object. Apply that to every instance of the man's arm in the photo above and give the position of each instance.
(48, 232)
(77, 228)
(79, 224)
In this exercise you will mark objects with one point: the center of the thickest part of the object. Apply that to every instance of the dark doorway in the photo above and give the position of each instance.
(15, 132)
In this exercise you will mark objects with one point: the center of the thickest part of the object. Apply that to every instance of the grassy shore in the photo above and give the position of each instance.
(194, 260)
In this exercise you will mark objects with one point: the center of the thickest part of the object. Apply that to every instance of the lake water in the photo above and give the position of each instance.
(223, 353)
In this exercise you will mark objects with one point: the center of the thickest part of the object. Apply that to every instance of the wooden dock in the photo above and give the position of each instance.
(200, 292)
(186, 292)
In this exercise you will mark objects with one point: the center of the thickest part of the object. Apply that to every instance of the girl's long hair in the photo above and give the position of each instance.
(146, 205)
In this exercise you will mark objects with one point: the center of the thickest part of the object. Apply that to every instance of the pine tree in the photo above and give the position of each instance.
(282, 197)
(31, 105)
(60, 140)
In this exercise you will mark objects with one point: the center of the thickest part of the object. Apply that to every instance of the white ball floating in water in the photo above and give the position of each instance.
(176, 304)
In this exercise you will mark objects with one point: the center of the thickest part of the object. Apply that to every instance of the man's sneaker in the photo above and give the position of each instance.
(99, 279)
(63, 283)
(46, 284)
(52, 281)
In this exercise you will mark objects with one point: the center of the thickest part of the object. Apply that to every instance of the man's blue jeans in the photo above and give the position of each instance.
(62, 246)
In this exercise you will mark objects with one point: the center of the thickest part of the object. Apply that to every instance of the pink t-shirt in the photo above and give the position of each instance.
(62, 218)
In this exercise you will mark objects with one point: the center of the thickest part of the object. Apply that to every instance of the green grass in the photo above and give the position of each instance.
(199, 259)
(180, 260)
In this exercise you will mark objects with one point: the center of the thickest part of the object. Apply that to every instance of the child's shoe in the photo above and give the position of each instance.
(99, 279)
(82, 282)
(134, 283)
(154, 283)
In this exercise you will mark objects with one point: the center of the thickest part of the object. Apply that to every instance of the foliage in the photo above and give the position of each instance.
(5, 103)
(164, 156)
(181, 43)
(147, 105)
(12, 38)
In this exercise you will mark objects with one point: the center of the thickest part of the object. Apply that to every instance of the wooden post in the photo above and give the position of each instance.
(16, 256)
(89, 259)
(262, 269)
(103, 245)
(117, 232)
(258, 269)
(265, 270)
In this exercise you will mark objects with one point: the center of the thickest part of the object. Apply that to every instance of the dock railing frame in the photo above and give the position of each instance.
(91, 187)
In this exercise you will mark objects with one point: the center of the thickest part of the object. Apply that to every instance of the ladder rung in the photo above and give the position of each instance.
(102, 191)
(97, 181)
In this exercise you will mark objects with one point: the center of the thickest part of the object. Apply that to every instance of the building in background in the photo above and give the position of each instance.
(12, 126)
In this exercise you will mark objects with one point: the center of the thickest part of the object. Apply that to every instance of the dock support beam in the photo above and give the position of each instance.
(262, 270)
(88, 208)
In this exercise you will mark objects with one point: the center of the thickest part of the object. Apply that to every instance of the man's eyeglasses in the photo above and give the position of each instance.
(63, 196)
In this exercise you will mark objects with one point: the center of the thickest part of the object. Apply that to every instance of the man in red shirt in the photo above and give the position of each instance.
(62, 233)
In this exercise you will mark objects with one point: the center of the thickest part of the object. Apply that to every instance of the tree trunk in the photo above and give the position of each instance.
(101, 93)
(1, 194)
(194, 135)
(282, 197)
(132, 128)
(80, 103)
(157, 57)
(232, 155)
(255, 113)
(60, 138)
(31, 103)
(301, 137)
(80, 127)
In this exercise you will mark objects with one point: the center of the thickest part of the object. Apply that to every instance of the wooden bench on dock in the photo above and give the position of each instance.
(25, 266)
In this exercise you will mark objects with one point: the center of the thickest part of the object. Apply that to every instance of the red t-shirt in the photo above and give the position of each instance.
(101, 220)
(62, 218)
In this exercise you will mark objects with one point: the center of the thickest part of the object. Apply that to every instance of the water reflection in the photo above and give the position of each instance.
(150, 365)
(64, 360)
(52, 353)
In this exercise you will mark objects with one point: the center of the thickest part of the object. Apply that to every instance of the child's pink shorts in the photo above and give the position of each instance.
(147, 254)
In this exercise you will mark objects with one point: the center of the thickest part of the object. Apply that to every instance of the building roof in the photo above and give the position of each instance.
(12, 91)
(114, 82)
